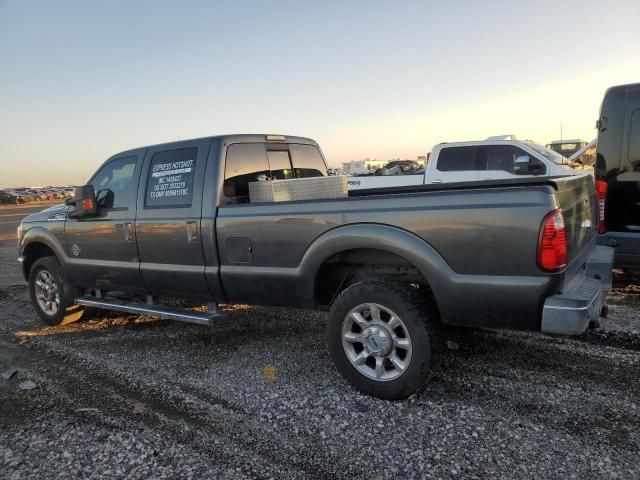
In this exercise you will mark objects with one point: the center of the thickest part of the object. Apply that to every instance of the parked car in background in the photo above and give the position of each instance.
(45, 194)
(27, 194)
(495, 158)
(8, 198)
(400, 167)
(21, 197)
(618, 173)
(58, 193)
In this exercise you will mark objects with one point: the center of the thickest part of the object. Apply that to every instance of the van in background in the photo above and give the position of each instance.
(618, 173)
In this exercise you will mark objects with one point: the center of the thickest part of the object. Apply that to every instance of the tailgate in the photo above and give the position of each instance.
(576, 196)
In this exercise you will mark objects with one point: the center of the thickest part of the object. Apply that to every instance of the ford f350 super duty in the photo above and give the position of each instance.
(392, 266)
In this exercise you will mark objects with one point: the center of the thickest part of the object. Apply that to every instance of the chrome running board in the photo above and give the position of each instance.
(201, 318)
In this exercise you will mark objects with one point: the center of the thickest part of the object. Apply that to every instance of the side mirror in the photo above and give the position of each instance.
(83, 202)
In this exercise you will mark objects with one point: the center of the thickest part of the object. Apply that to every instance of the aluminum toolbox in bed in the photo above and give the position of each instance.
(298, 189)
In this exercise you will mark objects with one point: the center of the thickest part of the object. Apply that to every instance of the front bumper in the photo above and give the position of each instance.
(570, 312)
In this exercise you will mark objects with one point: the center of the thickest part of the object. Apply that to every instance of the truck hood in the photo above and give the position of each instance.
(53, 213)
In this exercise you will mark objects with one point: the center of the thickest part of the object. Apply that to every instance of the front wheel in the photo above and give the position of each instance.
(384, 338)
(51, 295)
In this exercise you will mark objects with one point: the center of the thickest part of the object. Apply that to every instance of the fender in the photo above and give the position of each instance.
(380, 237)
(37, 234)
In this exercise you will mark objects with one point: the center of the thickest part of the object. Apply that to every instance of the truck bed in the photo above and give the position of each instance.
(525, 181)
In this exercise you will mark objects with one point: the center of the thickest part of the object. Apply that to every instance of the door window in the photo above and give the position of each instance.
(457, 159)
(245, 163)
(500, 157)
(307, 161)
(170, 179)
(113, 181)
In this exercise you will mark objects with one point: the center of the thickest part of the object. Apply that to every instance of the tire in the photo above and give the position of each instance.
(381, 357)
(51, 295)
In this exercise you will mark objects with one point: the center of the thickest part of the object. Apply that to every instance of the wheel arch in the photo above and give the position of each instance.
(373, 243)
(38, 243)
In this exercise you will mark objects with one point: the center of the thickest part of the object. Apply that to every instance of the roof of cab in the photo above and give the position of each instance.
(228, 140)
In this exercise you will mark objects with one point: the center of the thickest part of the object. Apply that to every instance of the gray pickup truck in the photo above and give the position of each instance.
(392, 265)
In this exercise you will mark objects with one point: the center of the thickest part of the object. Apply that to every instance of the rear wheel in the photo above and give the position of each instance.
(384, 338)
(51, 295)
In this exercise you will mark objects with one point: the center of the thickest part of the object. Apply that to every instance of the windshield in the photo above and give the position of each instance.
(555, 157)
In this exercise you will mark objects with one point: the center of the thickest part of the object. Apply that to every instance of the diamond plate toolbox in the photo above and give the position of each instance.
(298, 189)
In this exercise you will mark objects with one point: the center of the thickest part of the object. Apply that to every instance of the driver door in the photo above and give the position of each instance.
(102, 250)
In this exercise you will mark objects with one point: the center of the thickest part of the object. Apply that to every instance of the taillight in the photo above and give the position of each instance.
(552, 243)
(601, 192)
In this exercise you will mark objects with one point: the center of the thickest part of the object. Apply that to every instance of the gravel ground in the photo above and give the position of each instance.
(257, 397)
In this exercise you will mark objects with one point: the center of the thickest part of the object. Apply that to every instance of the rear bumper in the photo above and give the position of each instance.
(581, 301)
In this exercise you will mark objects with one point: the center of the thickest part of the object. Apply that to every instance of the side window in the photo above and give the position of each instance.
(501, 157)
(307, 161)
(112, 183)
(245, 162)
(279, 164)
(170, 180)
(454, 159)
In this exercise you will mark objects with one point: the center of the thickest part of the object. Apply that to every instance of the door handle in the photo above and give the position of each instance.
(128, 232)
(436, 181)
(192, 231)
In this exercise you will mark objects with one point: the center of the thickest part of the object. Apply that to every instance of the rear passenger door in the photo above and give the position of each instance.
(254, 242)
(168, 225)
(455, 164)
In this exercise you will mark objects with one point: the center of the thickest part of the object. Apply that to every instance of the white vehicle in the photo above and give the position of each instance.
(495, 158)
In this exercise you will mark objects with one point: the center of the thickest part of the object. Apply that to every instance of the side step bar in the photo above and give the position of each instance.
(201, 318)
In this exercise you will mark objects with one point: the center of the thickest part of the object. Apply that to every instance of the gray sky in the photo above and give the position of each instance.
(81, 80)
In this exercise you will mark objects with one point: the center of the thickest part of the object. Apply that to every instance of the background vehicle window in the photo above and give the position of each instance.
(307, 161)
(112, 183)
(170, 180)
(244, 163)
(279, 164)
(501, 157)
(457, 159)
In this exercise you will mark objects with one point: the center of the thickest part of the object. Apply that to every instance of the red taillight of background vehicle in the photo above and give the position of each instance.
(601, 192)
(552, 243)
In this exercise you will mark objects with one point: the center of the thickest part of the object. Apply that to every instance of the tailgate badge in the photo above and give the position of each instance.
(586, 224)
